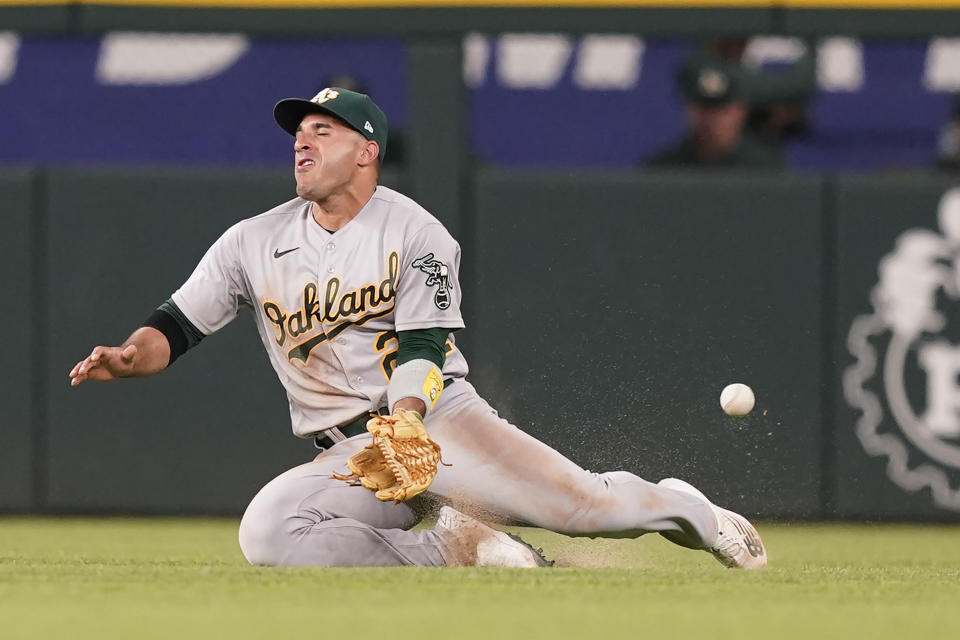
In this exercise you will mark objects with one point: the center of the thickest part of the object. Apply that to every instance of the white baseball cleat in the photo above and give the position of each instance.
(738, 544)
(475, 544)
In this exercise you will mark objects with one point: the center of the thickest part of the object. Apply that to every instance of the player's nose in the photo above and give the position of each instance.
(300, 142)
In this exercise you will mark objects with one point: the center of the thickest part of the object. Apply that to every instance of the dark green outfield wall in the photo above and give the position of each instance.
(629, 302)
(22, 340)
(605, 312)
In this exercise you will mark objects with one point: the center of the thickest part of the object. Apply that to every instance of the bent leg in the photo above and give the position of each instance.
(499, 469)
(305, 518)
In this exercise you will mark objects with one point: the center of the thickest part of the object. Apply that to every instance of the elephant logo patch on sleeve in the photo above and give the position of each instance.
(437, 276)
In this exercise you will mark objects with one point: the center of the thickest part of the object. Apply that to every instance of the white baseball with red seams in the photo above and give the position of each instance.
(737, 399)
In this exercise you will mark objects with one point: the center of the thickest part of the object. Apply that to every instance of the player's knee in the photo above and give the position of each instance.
(261, 541)
(264, 533)
(270, 535)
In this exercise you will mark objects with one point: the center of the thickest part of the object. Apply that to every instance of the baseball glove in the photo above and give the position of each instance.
(402, 460)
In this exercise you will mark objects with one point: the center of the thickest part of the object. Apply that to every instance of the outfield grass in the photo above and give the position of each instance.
(185, 578)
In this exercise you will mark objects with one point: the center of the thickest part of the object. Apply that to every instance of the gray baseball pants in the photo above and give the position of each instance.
(305, 518)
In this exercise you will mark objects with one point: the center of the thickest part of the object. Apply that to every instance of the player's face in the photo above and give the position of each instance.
(326, 155)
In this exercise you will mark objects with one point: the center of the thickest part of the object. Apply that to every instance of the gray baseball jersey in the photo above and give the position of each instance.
(328, 305)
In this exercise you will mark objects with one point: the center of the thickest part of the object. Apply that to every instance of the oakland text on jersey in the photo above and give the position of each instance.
(336, 306)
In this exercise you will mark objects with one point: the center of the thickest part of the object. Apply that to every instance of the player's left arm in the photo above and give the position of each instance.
(427, 309)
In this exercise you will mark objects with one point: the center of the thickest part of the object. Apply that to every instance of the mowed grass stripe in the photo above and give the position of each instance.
(166, 577)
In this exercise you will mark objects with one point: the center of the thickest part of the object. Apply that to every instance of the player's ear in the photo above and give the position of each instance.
(369, 153)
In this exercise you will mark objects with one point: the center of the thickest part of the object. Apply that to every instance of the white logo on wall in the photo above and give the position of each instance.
(909, 344)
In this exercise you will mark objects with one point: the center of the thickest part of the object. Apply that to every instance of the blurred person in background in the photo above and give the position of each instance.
(716, 113)
(948, 142)
(778, 91)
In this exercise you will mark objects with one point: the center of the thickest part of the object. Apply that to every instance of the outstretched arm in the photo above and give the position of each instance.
(144, 353)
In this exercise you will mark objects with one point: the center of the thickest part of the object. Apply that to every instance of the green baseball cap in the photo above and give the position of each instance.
(356, 109)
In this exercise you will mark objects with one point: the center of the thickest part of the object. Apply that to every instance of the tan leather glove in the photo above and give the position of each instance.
(402, 460)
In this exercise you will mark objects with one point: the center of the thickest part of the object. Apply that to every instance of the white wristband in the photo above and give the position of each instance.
(415, 379)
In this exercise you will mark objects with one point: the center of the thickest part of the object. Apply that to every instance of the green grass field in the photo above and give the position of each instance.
(185, 578)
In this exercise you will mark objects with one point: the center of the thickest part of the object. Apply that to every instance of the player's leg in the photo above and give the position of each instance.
(502, 470)
(305, 518)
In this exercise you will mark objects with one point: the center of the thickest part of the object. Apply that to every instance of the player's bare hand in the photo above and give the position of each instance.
(105, 363)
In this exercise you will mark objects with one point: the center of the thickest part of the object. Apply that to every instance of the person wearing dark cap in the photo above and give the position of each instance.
(779, 94)
(353, 288)
(716, 113)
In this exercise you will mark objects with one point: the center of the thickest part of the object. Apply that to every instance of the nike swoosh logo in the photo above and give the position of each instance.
(279, 254)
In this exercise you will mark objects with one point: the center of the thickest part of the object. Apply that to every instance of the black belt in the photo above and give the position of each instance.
(354, 427)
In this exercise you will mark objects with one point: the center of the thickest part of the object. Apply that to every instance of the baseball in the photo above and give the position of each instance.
(737, 399)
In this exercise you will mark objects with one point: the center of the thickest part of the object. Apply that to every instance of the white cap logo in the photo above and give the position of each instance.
(326, 94)
(713, 83)
(368, 126)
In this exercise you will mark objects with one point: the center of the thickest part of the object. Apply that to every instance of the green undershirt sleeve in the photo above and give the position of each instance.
(423, 344)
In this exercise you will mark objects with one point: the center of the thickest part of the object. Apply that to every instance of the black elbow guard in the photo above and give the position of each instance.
(179, 332)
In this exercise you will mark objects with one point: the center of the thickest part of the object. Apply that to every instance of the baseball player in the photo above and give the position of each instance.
(355, 294)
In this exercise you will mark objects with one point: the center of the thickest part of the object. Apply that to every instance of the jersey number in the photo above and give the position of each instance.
(387, 341)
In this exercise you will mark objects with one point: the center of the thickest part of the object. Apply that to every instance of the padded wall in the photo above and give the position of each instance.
(21, 338)
(612, 309)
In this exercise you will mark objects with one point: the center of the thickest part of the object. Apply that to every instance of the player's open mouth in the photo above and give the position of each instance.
(305, 164)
